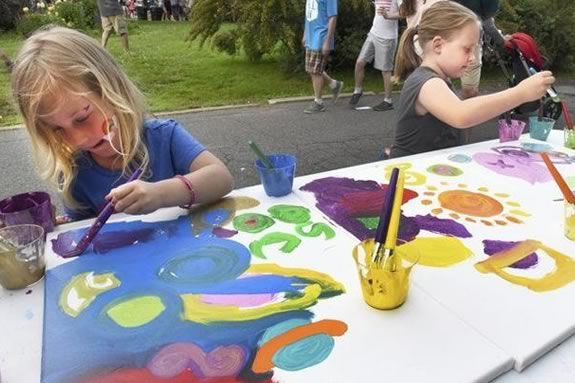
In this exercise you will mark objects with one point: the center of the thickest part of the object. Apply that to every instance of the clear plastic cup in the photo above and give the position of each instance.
(510, 129)
(540, 127)
(21, 256)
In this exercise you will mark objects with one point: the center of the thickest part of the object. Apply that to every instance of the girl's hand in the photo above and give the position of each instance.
(136, 197)
(534, 87)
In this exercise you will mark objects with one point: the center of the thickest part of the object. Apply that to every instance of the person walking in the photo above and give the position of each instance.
(112, 17)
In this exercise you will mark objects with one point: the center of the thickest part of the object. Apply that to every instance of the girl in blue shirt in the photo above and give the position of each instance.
(89, 130)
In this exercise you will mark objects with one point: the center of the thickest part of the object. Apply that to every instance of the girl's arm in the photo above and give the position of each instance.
(209, 177)
(436, 98)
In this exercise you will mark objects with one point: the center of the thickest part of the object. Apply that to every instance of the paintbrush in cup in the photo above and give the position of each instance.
(385, 215)
(393, 230)
(565, 190)
(101, 219)
(566, 115)
(262, 157)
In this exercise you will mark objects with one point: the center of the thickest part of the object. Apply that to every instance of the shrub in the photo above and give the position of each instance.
(10, 10)
(29, 23)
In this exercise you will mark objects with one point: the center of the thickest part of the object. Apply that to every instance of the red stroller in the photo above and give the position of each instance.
(526, 59)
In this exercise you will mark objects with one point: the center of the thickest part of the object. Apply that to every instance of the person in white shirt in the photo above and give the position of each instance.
(379, 47)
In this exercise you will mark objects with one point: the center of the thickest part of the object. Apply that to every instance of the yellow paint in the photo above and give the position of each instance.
(462, 185)
(432, 187)
(502, 195)
(382, 288)
(512, 203)
(519, 212)
(563, 274)
(391, 237)
(412, 178)
(81, 291)
(136, 312)
(320, 284)
(436, 251)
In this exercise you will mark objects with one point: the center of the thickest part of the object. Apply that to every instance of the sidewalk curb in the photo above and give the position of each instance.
(274, 101)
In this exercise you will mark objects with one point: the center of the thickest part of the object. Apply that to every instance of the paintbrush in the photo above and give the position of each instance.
(550, 91)
(383, 225)
(394, 220)
(101, 219)
(263, 158)
(565, 190)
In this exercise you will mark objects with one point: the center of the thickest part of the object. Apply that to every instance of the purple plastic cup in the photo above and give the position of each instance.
(27, 208)
(510, 130)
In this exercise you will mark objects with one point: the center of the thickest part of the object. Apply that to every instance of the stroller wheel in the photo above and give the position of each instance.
(551, 109)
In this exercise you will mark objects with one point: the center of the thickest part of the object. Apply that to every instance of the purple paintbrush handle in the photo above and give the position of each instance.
(385, 215)
(101, 219)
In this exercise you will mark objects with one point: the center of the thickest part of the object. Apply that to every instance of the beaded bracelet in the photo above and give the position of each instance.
(190, 188)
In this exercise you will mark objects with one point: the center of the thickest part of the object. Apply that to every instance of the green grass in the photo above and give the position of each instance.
(176, 75)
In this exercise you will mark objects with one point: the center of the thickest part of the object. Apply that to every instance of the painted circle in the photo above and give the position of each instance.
(470, 203)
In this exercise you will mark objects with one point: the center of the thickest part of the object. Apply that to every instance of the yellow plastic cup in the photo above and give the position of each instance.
(384, 285)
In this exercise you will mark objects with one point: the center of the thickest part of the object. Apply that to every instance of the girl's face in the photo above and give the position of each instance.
(456, 54)
(82, 123)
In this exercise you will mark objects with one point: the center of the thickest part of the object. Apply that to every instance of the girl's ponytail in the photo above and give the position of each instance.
(407, 58)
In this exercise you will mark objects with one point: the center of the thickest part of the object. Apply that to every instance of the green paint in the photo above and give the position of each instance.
(316, 230)
(445, 170)
(290, 242)
(570, 181)
(369, 222)
(136, 312)
(290, 213)
(252, 222)
(81, 291)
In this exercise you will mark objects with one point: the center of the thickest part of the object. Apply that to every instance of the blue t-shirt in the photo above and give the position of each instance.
(317, 14)
(171, 149)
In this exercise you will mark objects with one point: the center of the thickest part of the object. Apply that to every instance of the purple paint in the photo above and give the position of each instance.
(510, 129)
(385, 215)
(442, 226)
(114, 239)
(491, 247)
(514, 165)
(221, 232)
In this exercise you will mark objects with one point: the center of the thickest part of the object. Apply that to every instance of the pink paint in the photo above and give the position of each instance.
(239, 300)
(514, 166)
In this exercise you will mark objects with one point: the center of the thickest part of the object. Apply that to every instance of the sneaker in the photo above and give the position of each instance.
(383, 106)
(314, 108)
(337, 90)
(355, 98)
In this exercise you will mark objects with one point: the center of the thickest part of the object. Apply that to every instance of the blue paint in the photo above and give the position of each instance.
(28, 314)
(460, 158)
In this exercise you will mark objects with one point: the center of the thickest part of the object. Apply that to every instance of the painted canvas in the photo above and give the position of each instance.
(250, 289)
(488, 222)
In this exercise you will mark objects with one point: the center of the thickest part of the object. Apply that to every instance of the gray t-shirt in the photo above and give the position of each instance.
(417, 134)
(109, 8)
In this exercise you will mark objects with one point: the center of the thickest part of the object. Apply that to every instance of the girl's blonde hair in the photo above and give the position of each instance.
(444, 19)
(55, 61)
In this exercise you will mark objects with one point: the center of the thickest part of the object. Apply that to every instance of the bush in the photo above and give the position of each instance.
(10, 10)
(29, 23)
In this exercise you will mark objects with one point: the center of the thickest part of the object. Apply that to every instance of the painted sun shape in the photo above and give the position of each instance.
(475, 206)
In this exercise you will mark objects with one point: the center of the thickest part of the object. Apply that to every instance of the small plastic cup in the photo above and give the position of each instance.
(540, 127)
(279, 180)
(32, 208)
(384, 285)
(510, 130)
(21, 256)
(569, 138)
(570, 220)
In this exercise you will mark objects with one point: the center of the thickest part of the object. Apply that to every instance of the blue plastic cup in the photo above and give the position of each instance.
(279, 180)
(540, 127)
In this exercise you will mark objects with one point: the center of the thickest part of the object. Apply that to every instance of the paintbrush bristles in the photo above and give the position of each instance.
(565, 190)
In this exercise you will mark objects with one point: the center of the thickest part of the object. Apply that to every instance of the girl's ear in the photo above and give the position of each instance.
(437, 44)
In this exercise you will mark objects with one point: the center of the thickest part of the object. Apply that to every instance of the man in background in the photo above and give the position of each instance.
(112, 17)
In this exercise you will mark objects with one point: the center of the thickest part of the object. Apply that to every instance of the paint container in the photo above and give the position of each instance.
(33, 208)
(569, 138)
(510, 129)
(21, 256)
(277, 181)
(540, 127)
(383, 287)
(570, 220)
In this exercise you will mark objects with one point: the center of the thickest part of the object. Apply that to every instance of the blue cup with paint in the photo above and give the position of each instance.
(540, 127)
(278, 180)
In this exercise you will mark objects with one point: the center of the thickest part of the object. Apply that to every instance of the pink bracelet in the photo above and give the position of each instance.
(190, 188)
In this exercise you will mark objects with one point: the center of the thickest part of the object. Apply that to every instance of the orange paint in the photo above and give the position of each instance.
(437, 211)
(469, 219)
(470, 203)
(454, 216)
(502, 223)
(428, 193)
(486, 223)
(263, 360)
(426, 202)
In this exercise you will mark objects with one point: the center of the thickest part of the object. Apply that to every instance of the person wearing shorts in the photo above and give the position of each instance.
(113, 17)
(379, 47)
(318, 40)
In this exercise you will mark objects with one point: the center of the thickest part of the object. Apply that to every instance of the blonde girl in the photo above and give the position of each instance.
(430, 116)
(90, 131)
